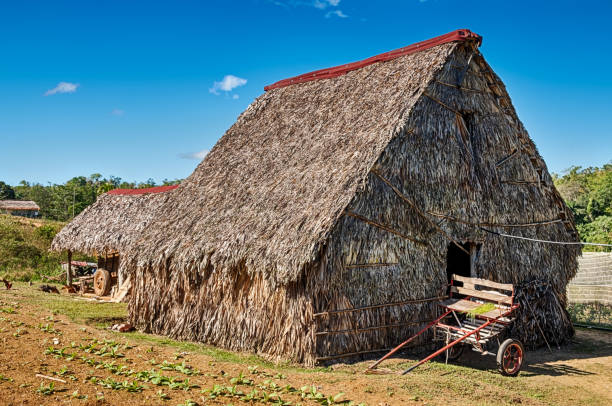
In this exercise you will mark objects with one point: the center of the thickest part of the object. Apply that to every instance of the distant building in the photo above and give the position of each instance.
(24, 208)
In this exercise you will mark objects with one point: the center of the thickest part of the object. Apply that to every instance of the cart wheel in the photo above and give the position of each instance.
(454, 353)
(102, 282)
(510, 357)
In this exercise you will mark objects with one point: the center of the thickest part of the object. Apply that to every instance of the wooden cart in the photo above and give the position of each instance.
(104, 277)
(476, 314)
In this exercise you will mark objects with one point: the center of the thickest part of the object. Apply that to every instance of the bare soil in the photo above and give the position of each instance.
(64, 337)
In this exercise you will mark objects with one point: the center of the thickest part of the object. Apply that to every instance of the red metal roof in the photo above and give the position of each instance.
(157, 189)
(458, 35)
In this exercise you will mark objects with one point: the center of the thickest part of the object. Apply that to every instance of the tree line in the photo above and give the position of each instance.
(588, 193)
(64, 201)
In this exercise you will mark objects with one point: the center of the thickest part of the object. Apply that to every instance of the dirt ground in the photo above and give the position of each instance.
(64, 337)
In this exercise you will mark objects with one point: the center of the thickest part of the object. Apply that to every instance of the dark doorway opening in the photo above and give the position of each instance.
(458, 262)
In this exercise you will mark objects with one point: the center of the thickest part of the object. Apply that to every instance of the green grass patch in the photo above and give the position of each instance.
(98, 314)
(482, 309)
(217, 354)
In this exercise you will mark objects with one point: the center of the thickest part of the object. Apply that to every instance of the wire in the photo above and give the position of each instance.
(545, 241)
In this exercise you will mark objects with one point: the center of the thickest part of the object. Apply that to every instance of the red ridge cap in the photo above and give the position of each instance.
(156, 189)
(457, 35)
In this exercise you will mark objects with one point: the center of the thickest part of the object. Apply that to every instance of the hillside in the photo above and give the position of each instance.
(24, 248)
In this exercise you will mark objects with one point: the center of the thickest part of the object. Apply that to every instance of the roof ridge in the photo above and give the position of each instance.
(327, 73)
(156, 189)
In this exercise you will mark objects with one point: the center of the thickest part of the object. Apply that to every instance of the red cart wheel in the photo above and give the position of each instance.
(510, 357)
(454, 353)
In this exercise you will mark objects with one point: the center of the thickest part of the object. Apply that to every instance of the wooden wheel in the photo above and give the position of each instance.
(510, 357)
(102, 282)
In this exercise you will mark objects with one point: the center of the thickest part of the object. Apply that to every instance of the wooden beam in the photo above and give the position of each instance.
(484, 282)
(366, 329)
(374, 265)
(69, 271)
(384, 227)
(405, 302)
(482, 295)
(416, 208)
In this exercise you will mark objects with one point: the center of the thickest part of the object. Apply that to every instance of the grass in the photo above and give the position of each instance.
(217, 354)
(103, 314)
(24, 248)
(482, 309)
(98, 314)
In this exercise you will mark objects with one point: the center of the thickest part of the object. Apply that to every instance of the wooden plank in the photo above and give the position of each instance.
(482, 295)
(484, 282)
(373, 265)
(123, 291)
(69, 271)
(485, 332)
(461, 305)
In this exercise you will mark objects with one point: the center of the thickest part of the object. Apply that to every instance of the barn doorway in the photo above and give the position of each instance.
(460, 262)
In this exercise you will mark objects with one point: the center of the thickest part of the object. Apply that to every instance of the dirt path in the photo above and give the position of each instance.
(60, 337)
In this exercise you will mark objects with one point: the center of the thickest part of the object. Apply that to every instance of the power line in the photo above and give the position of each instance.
(546, 241)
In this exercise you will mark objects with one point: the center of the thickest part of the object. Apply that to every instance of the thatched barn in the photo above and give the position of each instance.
(108, 226)
(23, 208)
(326, 221)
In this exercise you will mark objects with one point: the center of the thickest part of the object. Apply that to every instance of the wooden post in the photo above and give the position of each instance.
(69, 272)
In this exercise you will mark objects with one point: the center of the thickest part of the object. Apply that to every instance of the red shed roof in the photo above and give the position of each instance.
(157, 189)
(457, 35)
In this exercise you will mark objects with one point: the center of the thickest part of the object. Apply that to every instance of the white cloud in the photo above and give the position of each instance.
(227, 84)
(195, 155)
(235, 97)
(117, 112)
(320, 4)
(62, 87)
(336, 13)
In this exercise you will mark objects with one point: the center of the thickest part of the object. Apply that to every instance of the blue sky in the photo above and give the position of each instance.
(136, 89)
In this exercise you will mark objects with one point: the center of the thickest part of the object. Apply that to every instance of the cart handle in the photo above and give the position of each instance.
(393, 351)
(446, 347)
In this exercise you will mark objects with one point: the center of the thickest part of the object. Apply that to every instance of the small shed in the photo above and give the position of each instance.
(327, 221)
(108, 227)
(24, 208)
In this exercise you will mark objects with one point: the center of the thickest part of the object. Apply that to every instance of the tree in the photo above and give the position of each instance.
(6, 192)
(588, 193)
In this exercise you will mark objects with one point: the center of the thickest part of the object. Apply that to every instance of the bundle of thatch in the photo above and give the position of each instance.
(321, 224)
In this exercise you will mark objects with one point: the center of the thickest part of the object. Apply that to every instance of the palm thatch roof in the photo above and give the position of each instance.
(113, 222)
(18, 205)
(269, 192)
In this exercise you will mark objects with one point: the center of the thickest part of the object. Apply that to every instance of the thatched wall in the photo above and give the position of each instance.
(276, 222)
(434, 169)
